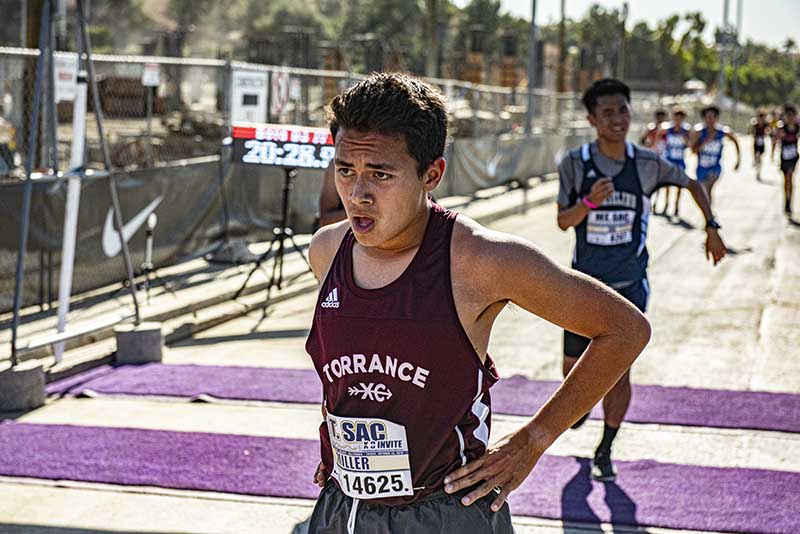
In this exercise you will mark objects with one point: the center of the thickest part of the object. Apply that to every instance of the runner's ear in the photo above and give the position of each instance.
(433, 175)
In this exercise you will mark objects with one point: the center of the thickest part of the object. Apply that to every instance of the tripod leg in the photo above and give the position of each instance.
(166, 285)
(259, 261)
(277, 266)
(300, 251)
(274, 279)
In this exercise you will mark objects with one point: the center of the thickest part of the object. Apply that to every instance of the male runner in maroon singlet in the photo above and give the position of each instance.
(759, 129)
(409, 292)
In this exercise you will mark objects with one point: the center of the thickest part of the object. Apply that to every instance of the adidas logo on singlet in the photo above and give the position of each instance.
(332, 300)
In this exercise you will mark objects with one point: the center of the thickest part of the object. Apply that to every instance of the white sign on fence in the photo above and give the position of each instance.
(279, 94)
(295, 90)
(248, 96)
(65, 66)
(151, 75)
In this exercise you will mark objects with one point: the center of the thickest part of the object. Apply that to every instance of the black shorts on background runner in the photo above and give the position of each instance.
(637, 293)
(438, 513)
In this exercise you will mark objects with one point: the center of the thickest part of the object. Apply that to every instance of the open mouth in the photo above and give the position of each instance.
(363, 224)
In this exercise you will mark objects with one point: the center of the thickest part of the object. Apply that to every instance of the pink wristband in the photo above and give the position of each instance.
(588, 204)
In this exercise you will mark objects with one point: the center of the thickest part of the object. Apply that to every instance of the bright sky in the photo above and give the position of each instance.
(765, 21)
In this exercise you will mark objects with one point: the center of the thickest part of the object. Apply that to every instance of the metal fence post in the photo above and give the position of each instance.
(86, 48)
(44, 35)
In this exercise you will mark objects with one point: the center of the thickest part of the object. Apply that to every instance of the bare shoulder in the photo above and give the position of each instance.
(324, 245)
(494, 264)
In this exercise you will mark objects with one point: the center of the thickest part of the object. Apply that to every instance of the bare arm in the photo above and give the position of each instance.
(715, 247)
(574, 215)
(511, 269)
(732, 137)
(694, 141)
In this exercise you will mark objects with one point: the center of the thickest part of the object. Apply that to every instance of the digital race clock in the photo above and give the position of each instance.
(282, 145)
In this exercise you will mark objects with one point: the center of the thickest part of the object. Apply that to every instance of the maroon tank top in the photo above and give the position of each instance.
(403, 385)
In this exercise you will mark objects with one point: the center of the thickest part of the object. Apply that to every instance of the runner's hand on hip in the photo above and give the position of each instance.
(505, 465)
(321, 475)
(600, 191)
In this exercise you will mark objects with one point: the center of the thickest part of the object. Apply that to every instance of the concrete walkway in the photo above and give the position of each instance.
(729, 327)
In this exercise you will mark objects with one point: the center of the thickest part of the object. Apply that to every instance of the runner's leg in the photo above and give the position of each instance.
(616, 401)
(787, 189)
(757, 153)
(709, 184)
(574, 345)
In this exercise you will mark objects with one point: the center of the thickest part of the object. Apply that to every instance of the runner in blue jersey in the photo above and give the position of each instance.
(707, 141)
(676, 140)
(604, 193)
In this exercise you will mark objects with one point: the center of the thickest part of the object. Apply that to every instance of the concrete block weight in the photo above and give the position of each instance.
(22, 388)
(142, 343)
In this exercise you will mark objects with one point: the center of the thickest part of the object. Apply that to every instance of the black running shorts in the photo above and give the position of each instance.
(637, 293)
(434, 514)
(788, 165)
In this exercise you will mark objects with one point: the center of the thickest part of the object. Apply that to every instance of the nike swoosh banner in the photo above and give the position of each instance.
(186, 200)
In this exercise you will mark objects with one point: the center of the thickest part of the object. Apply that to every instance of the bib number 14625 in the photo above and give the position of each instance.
(372, 484)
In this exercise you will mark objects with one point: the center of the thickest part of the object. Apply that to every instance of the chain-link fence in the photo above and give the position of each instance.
(188, 112)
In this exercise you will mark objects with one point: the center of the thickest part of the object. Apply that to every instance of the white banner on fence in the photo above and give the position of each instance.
(66, 76)
(248, 96)
(279, 94)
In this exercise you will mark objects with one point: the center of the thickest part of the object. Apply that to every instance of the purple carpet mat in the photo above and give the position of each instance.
(513, 396)
(647, 493)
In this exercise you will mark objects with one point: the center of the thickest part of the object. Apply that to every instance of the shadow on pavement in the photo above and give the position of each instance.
(679, 221)
(575, 502)
(10, 416)
(11, 528)
(301, 528)
(272, 334)
(736, 251)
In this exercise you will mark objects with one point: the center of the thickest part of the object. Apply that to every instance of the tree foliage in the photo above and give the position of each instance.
(371, 32)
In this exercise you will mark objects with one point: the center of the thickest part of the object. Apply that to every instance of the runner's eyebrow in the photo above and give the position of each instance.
(377, 166)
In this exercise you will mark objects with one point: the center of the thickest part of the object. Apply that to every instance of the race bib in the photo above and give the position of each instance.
(676, 153)
(610, 227)
(789, 151)
(370, 457)
(709, 156)
(759, 141)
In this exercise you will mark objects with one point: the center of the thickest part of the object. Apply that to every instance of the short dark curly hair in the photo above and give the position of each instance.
(397, 105)
(604, 87)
